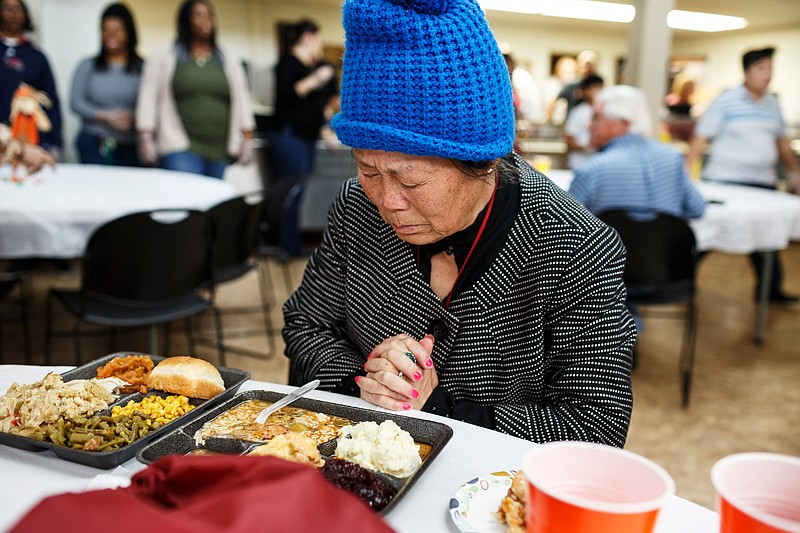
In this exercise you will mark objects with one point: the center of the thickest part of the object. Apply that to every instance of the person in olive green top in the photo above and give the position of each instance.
(193, 113)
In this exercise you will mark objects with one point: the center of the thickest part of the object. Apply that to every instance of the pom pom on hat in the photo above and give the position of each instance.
(424, 77)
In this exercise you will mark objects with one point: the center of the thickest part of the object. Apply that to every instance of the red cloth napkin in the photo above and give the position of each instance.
(210, 494)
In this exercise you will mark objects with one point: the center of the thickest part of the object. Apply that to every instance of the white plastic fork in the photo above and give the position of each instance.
(286, 400)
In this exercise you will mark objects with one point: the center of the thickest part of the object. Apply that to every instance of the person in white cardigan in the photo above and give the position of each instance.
(193, 112)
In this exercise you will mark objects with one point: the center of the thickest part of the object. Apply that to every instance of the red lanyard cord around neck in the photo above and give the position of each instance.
(474, 243)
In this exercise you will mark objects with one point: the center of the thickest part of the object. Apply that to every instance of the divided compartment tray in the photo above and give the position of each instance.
(232, 378)
(181, 440)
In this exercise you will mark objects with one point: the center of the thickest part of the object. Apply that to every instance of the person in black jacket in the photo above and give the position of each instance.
(452, 277)
(304, 86)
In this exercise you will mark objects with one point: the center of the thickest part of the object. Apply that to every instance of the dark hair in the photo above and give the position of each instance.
(590, 81)
(756, 55)
(300, 29)
(185, 24)
(133, 62)
(505, 167)
(28, 22)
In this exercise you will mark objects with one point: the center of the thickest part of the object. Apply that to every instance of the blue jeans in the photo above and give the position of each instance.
(191, 162)
(292, 155)
(89, 152)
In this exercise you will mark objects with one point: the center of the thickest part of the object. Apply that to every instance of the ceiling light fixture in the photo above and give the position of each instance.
(708, 22)
(525, 7)
(613, 12)
(590, 10)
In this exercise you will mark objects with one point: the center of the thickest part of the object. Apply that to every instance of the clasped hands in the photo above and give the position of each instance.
(396, 380)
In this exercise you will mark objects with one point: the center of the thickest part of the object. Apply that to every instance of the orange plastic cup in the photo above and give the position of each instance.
(758, 493)
(578, 487)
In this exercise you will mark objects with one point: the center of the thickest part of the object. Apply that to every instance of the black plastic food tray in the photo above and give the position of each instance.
(232, 378)
(181, 441)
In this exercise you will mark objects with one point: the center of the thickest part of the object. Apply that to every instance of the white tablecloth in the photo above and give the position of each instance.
(28, 476)
(738, 219)
(53, 213)
(748, 219)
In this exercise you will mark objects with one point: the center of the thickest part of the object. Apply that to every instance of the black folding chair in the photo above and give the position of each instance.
(143, 269)
(236, 223)
(282, 239)
(660, 269)
(8, 281)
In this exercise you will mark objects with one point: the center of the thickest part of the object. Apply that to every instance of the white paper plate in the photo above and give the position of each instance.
(475, 503)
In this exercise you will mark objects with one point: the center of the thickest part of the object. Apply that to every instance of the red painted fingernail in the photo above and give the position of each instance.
(414, 393)
(369, 355)
(357, 378)
(417, 376)
(365, 366)
(429, 363)
(406, 406)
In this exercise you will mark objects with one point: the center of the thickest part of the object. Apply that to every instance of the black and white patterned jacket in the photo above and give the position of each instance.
(543, 335)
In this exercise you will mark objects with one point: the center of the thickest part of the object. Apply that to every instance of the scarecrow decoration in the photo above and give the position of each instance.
(27, 114)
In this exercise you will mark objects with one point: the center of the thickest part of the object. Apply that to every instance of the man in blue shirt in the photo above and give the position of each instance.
(631, 172)
(748, 135)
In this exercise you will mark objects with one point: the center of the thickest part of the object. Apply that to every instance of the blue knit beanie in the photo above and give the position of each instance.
(424, 77)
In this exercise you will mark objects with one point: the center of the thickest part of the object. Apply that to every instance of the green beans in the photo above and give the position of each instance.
(98, 433)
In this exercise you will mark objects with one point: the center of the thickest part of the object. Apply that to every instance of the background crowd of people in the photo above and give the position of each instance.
(187, 107)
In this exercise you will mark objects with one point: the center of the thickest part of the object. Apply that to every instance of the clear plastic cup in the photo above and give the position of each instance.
(758, 493)
(578, 487)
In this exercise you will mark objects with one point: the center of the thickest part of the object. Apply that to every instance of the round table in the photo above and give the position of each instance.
(738, 220)
(741, 219)
(54, 212)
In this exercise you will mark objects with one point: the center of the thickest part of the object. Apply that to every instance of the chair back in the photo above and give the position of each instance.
(236, 224)
(150, 256)
(282, 216)
(8, 280)
(333, 167)
(661, 253)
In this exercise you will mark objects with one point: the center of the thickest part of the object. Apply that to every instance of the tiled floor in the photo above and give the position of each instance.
(745, 397)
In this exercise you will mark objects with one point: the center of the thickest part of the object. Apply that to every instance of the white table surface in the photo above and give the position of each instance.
(27, 477)
(54, 212)
(738, 220)
(748, 220)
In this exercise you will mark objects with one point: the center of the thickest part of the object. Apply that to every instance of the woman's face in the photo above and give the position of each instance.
(12, 17)
(424, 199)
(115, 38)
(202, 21)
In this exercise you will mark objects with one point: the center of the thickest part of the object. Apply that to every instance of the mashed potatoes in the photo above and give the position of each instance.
(385, 448)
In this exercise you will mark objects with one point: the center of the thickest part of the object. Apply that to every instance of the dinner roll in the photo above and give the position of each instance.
(189, 376)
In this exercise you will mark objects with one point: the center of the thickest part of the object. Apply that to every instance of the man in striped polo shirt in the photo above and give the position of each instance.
(748, 134)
